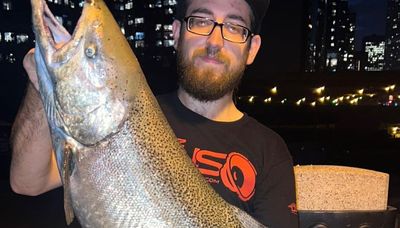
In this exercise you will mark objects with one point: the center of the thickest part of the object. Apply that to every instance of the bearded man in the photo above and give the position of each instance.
(248, 164)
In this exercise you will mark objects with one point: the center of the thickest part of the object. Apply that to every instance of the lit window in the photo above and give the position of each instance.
(158, 4)
(130, 22)
(139, 36)
(139, 43)
(129, 5)
(169, 2)
(66, 2)
(167, 27)
(7, 5)
(9, 36)
(158, 27)
(131, 37)
(168, 43)
(159, 43)
(10, 58)
(139, 20)
(22, 38)
(0, 37)
(168, 35)
(169, 11)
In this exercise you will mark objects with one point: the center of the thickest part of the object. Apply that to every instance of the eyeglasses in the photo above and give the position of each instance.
(204, 26)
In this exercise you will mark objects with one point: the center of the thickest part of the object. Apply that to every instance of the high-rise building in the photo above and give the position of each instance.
(147, 25)
(15, 31)
(374, 49)
(392, 51)
(330, 36)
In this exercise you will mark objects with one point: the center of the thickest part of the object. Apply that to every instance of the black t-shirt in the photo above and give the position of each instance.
(247, 163)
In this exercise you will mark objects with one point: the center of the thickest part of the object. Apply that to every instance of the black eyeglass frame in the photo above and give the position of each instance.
(249, 32)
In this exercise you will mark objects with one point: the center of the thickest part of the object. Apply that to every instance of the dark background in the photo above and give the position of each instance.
(351, 136)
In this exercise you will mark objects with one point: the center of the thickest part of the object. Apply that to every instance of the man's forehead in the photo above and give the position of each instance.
(234, 9)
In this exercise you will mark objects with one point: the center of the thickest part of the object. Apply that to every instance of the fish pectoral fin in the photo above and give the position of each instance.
(67, 171)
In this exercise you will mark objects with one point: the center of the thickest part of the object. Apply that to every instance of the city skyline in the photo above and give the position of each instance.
(283, 36)
(281, 55)
(371, 18)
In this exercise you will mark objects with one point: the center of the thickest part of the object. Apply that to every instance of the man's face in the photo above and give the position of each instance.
(210, 67)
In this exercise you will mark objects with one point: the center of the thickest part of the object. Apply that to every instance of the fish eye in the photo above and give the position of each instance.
(90, 51)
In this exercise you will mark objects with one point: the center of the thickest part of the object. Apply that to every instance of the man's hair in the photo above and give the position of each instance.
(258, 10)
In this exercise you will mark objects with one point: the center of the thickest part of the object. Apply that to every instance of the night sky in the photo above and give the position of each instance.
(371, 18)
(283, 38)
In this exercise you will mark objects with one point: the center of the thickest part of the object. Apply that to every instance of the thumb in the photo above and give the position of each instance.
(30, 67)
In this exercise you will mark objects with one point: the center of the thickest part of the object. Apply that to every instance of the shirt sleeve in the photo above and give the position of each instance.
(275, 198)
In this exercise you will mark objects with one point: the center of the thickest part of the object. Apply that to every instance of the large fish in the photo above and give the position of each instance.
(120, 162)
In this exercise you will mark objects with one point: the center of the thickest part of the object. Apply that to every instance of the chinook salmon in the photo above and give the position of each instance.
(120, 163)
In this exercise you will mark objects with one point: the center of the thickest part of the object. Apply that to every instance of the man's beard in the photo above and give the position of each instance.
(204, 84)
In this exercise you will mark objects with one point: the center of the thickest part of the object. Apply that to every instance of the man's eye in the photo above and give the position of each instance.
(234, 29)
(202, 23)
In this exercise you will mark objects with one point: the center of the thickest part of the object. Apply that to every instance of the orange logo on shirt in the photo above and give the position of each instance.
(235, 170)
(293, 208)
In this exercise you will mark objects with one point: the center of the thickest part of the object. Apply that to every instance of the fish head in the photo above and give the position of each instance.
(88, 79)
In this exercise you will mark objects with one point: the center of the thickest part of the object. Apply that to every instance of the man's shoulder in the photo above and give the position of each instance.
(261, 129)
(266, 139)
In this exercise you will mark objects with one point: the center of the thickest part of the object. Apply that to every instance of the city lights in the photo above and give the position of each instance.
(274, 90)
(327, 96)
(319, 90)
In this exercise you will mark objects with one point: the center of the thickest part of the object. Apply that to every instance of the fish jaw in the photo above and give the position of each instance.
(89, 78)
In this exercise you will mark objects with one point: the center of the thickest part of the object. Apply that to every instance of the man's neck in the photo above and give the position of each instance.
(222, 110)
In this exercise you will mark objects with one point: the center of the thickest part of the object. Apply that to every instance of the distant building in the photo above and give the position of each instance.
(147, 25)
(15, 31)
(330, 36)
(374, 49)
(148, 28)
(392, 51)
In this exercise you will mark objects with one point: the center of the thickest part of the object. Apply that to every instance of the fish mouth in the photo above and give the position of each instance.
(57, 44)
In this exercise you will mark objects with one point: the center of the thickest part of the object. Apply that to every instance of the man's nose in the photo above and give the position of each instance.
(215, 38)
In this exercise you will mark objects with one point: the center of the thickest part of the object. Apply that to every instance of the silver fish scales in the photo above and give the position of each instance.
(120, 163)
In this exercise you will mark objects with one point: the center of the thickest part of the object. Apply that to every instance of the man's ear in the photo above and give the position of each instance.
(254, 47)
(176, 31)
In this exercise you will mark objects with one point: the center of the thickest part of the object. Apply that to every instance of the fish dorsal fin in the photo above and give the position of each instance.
(68, 166)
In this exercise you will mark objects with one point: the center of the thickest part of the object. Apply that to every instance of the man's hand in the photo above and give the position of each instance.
(30, 67)
(33, 166)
